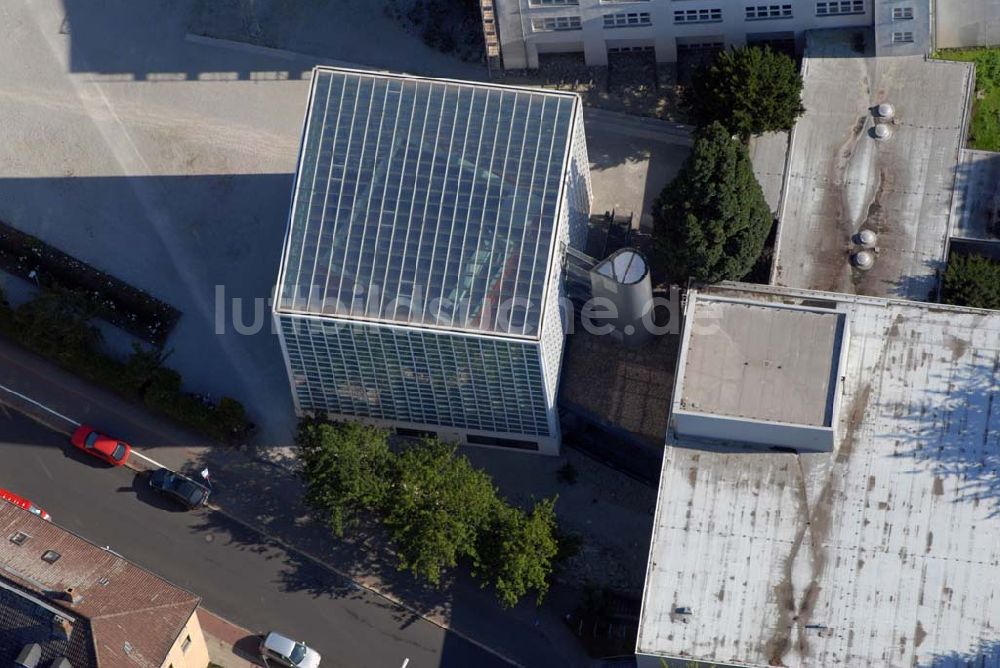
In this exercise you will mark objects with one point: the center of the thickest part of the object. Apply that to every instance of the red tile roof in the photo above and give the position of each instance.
(133, 616)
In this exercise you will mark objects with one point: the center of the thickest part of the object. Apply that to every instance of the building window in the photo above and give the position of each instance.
(186, 644)
(554, 23)
(761, 12)
(902, 37)
(619, 2)
(697, 15)
(549, 3)
(629, 20)
(902, 13)
(840, 7)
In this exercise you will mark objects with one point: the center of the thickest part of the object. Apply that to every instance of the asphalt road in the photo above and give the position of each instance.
(239, 573)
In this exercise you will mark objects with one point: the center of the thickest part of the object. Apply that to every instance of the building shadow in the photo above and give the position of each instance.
(207, 244)
(145, 41)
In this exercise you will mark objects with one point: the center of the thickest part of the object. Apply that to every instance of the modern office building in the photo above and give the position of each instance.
(422, 274)
(519, 32)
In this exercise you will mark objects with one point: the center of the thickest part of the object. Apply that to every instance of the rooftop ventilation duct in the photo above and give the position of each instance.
(866, 238)
(621, 283)
(882, 132)
(62, 662)
(863, 260)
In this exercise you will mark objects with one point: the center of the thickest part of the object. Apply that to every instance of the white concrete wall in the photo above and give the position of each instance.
(967, 23)
(753, 432)
(520, 45)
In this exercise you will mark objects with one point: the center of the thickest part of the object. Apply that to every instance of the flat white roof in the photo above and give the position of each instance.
(885, 552)
(760, 361)
(840, 179)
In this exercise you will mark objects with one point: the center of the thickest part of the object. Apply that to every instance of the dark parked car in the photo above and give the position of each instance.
(183, 490)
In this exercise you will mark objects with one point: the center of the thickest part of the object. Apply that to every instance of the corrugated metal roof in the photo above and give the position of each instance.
(131, 616)
(883, 553)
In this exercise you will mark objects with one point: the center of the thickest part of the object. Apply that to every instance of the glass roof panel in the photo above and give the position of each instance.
(426, 202)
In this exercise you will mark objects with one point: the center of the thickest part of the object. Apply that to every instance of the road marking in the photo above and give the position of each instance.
(40, 405)
(73, 422)
(152, 461)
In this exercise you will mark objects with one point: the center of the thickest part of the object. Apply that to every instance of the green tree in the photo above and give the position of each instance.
(712, 220)
(437, 506)
(972, 280)
(518, 551)
(749, 90)
(345, 468)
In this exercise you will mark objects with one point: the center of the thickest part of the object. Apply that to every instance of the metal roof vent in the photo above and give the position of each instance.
(19, 538)
(882, 131)
(886, 111)
(50, 556)
(864, 260)
(866, 238)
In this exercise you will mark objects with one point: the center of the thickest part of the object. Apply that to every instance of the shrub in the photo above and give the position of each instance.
(56, 325)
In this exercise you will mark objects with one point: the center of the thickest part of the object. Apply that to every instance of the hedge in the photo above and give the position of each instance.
(109, 298)
(56, 326)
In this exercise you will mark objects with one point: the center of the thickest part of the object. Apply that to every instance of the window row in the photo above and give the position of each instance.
(840, 7)
(759, 12)
(697, 15)
(710, 15)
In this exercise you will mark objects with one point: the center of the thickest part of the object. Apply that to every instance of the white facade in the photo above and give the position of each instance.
(594, 27)
(422, 276)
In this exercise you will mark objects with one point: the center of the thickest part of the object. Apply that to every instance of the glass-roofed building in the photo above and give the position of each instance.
(422, 275)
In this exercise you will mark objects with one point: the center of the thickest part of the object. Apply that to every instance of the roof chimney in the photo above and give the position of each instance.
(62, 629)
(71, 596)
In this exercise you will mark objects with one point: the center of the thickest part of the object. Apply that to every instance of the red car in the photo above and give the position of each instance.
(100, 445)
(22, 502)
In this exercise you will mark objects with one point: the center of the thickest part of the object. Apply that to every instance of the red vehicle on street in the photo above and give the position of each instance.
(22, 502)
(102, 446)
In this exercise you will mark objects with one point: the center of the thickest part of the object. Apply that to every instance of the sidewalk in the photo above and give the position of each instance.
(229, 645)
(266, 496)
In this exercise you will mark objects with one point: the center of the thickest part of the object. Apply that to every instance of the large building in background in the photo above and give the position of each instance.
(530, 29)
(877, 545)
(422, 275)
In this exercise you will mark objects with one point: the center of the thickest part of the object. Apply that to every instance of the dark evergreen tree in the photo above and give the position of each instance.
(749, 90)
(712, 220)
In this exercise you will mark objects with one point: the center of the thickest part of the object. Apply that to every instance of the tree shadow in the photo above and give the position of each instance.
(953, 429)
(261, 493)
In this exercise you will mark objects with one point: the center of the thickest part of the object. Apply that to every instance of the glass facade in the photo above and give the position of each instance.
(424, 202)
(416, 375)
